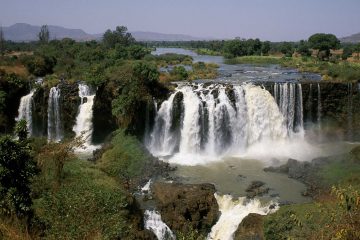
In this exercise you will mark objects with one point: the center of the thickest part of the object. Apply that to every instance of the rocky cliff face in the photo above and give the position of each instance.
(186, 207)
(104, 121)
(69, 107)
(70, 103)
(251, 228)
(336, 106)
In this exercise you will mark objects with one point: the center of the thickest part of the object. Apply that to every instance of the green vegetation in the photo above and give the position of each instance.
(16, 170)
(335, 218)
(206, 51)
(169, 59)
(125, 159)
(323, 43)
(48, 193)
(2, 42)
(339, 71)
(332, 216)
(317, 54)
(255, 60)
(90, 202)
(44, 34)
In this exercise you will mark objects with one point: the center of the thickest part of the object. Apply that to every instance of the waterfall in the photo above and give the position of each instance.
(84, 125)
(289, 99)
(233, 212)
(25, 111)
(264, 118)
(162, 141)
(220, 119)
(191, 137)
(154, 223)
(319, 107)
(299, 111)
(54, 128)
(310, 104)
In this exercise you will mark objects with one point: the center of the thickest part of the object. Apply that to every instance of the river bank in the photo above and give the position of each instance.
(341, 71)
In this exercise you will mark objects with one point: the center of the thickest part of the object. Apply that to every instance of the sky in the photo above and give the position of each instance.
(274, 20)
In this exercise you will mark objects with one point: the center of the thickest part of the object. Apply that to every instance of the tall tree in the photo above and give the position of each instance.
(44, 34)
(119, 36)
(17, 168)
(324, 43)
(2, 42)
(303, 48)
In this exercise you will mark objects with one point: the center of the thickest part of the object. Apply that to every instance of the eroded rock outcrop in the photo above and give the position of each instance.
(187, 206)
(251, 228)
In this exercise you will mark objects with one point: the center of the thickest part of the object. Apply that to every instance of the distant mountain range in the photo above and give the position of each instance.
(355, 38)
(25, 32)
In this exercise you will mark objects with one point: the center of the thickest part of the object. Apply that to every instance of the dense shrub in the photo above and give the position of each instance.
(125, 159)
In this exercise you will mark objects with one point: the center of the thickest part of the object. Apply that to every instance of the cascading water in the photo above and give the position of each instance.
(154, 223)
(233, 212)
(25, 111)
(288, 96)
(222, 119)
(162, 141)
(54, 128)
(319, 106)
(84, 124)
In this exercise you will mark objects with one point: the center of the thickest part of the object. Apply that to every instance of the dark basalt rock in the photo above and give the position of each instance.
(187, 206)
(251, 228)
(39, 111)
(355, 154)
(70, 102)
(305, 172)
(256, 188)
(135, 217)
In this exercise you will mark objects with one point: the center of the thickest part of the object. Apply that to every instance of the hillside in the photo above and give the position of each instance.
(25, 32)
(153, 36)
(355, 38)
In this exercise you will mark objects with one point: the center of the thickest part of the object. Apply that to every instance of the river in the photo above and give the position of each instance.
(225, 131)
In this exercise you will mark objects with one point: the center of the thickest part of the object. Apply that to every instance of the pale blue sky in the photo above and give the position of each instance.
(266, 19)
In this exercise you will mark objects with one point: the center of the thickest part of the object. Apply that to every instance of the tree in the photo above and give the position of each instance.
(324, 43)
(137, 52)
(146, 73)
(44, 34)
(303, 48)
(119, 36)
(347, 52)
(265, 48)
(21, 130)
(357, 50)
(2, 42)
(287, 49)
(40, 65)
(17, 168)
(58, 154)
(179, 72)
(234, 48)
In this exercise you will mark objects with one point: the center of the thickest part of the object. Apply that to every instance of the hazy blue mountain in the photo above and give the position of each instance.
(26, 32)
(153, 36)
(355, 38)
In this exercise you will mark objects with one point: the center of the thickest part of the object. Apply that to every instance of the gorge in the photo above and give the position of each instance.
(224, 131)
